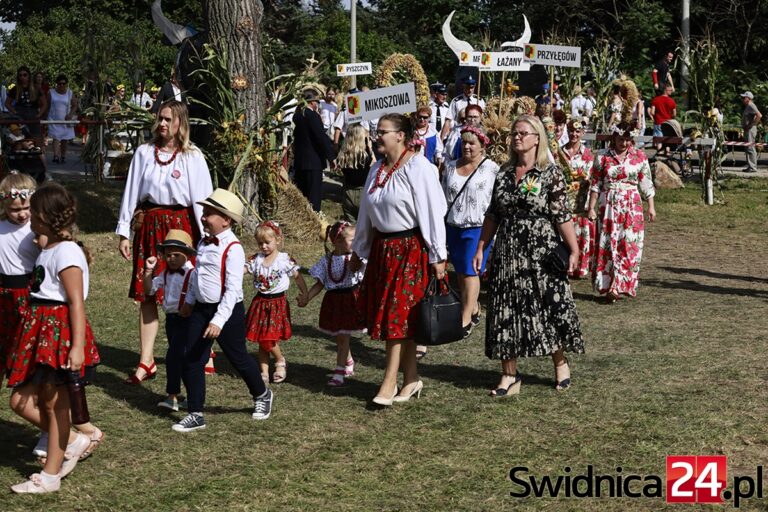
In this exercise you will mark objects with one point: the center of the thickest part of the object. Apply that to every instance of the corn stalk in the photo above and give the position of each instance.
(603, 64)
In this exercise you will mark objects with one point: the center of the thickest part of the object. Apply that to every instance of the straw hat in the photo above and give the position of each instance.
(178, 239)
(226, 202)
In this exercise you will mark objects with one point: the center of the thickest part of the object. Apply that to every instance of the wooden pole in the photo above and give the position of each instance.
(551, 87)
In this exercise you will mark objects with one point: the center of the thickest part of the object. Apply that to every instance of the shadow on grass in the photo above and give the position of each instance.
(717, 275)
(16, 445)
(698, 287)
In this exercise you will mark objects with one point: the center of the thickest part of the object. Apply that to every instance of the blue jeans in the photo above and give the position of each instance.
(232, 343)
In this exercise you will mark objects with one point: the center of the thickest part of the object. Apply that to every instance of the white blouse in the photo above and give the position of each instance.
(18, 251)
(468, 211)
(183, 182)
(347, 278)
(411, 198)
(46, 283)
(275, 278)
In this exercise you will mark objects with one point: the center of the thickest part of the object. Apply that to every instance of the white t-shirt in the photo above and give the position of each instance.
(172, 284)
(18, 251)
(141, 100)
(183, 182)
(469, 209)
(274, 278)
(328, 113)
(346, 279)
(46, 283)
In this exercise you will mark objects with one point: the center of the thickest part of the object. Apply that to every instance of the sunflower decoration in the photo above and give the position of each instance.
(403, 67)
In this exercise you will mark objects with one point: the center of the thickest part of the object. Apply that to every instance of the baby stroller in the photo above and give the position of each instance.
(19, 151)
(676, 156)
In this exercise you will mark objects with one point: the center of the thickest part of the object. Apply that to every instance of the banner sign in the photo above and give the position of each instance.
(558, 56)
(398, 99)
(495, 61)
(354, 68)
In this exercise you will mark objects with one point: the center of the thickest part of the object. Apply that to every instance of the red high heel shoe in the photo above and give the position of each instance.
(211, 370)
(149, 373)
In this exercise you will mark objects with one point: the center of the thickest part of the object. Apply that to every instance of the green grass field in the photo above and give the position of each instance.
(678, 370)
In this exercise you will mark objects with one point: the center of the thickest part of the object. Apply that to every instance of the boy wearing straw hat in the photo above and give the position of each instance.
(176, 249)
(217, 313)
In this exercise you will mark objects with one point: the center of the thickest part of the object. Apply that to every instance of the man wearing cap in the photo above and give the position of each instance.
(750, 118)
(312, 150)
(460, 102)
(439, 106)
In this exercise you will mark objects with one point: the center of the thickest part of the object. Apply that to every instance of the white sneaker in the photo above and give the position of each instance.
(74, 450)
(41, 448)
(35, 485)
(169, 403)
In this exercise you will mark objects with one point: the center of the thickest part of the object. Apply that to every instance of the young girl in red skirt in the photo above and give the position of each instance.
(18, 253)
(269, 317)
(54, 338)
(339, 315)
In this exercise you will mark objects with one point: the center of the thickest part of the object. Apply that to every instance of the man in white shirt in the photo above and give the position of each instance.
(460, 102)
(440, 107)
(581, 107)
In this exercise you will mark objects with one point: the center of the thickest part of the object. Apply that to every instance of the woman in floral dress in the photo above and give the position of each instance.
(580, 160)
(531, 311)
(616, 176)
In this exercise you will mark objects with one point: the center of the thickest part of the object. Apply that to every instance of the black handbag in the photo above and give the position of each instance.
(439, 315)
(557, 259)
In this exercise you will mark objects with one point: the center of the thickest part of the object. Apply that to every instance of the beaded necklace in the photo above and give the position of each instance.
(330, 269)
(379, 182)
(165, 162)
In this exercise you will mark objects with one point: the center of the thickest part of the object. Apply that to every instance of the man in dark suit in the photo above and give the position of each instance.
(171, 90)
(311, 150)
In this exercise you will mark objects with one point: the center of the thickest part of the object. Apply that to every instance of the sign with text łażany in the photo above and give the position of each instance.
(398, 99)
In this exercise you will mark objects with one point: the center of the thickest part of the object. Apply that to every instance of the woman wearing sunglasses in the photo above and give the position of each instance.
(531, 312)
(27, 103)
(425, 137)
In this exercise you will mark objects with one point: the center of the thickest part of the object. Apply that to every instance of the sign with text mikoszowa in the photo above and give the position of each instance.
(558, 56)
(354, 68)
(398, 99)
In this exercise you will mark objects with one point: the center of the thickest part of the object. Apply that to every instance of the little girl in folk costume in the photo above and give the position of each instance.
(269, 317)
(18, 253)
(339, 315)
(54, 338)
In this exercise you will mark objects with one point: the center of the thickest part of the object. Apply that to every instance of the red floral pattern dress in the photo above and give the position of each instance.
(578, 194)
(269, 316)
(621, 224)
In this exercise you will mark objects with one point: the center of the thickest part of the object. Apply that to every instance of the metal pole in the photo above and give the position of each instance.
(685, 30)
(353, 38)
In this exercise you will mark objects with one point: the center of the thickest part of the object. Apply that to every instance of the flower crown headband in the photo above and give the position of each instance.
(16, 193)
(477, 132)
(273, 225)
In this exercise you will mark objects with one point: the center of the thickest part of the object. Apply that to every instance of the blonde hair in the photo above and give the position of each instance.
(354, 149)
(13, 186)
(542, 150)
(178, 111)
(271, 228)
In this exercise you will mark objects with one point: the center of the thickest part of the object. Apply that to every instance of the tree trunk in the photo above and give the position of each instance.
(235, 27)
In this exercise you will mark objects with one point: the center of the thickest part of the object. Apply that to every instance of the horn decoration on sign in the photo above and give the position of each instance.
(455, 44)
(173, 31)
(524, 40)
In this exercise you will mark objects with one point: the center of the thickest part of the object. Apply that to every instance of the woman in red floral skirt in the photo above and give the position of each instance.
(166, 180)
(401, 232)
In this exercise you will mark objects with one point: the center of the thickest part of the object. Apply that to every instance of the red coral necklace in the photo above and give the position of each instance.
(329, 264)
(379, 182)
(165, 162)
